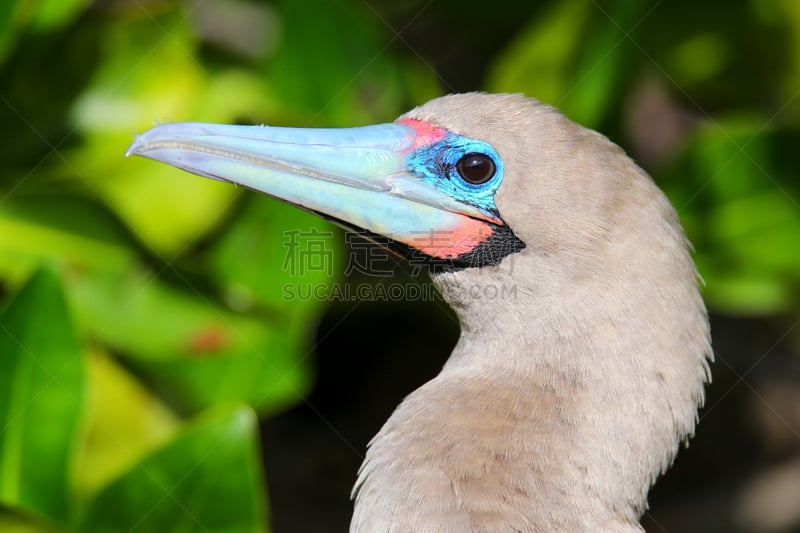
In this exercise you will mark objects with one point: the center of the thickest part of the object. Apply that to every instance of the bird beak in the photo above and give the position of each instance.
(359, 177)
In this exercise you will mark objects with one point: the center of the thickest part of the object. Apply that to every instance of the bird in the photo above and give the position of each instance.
(568, 394)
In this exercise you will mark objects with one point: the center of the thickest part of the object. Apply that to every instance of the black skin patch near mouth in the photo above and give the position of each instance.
(501, 242)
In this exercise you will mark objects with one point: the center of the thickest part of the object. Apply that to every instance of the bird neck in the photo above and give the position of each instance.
(562, 402)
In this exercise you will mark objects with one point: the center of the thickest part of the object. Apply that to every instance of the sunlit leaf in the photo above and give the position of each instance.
(271, 374)
(752, 295)
(41, 398)
(51, 14)
(198, 351)
(604, 62)
(125, 422)
(150, 74)
(538, 61)
(207, 479)
(148, 319)
(575, 56)
(58, 228)
(209, 352)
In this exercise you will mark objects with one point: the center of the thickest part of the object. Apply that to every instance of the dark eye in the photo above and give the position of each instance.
(475, 168)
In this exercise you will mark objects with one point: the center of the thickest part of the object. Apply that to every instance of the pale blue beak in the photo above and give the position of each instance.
(357, 176)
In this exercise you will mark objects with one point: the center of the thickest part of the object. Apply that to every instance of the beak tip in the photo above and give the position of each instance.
(136, 147)
(164, 135)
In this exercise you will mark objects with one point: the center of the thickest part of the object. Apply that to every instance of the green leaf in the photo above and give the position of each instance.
(137, 312)
(58, 228)
(747, 294)
(193, 345)
(51, 14)
(9, 25)
(41, 398)
(735, 190)
(538, 61)
(575, 56)
(334, 64)
(604, 63)
(195, 349)
(207, 479)
(166, 208)
(42, 15)
(270, 375)
(13, 521)
(125, 422)
(266, 238)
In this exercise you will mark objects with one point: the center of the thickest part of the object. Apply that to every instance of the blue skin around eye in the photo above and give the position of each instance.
(435, 164)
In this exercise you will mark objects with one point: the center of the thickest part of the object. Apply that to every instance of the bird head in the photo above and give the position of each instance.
(466, 182)
(609, 330)
(416, 186)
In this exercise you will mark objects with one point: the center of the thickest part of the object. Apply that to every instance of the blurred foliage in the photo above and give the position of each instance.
(711, 114)
(140, 297)
(34, 459)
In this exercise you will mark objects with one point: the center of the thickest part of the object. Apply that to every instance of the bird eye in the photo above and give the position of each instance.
(475, 168)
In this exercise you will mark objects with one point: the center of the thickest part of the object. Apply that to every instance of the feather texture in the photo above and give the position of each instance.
(570, 391)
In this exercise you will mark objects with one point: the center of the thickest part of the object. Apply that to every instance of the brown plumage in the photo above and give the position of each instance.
(560, 406)
(571, 389)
